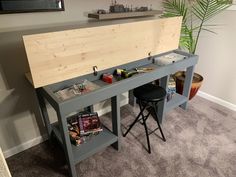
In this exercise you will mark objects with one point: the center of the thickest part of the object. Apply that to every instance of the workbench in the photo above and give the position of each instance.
(107, 137)
(51, 71)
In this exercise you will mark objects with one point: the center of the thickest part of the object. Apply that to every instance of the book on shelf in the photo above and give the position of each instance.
(89, 123)
(78, 140)
(83, 126)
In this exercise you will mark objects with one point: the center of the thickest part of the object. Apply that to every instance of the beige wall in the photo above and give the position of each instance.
(19, 117)
(217, 62)
(75, 11)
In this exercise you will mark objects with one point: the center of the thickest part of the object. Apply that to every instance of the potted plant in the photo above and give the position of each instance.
(195, 15)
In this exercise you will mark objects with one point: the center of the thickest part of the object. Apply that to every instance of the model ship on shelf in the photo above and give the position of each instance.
(118, 11)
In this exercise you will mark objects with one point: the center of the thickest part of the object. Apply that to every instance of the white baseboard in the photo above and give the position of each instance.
(40, 139)
(24, 146)
(217, 100)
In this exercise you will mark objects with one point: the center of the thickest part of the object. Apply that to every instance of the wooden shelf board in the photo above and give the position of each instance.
(97, 143)
(175, 101)
(124, 15)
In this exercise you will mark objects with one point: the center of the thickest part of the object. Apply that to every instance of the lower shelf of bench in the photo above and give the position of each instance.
(175, 101)
(94, 145)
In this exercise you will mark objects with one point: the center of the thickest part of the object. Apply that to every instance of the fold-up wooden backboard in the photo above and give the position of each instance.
(58, 56)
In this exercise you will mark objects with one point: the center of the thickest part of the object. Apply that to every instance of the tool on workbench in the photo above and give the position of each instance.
(107, 77)
(143, 70)
(127, 74)
(123, 73)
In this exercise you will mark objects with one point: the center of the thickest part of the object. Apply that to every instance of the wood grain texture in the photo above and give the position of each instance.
(123, 15)
(58, 56)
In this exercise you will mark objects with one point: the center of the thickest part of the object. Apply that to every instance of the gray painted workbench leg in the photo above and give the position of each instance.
(187, 84)
(43, 112)
(161, 105)
(132, 99)
(115, 108)
(66, 143)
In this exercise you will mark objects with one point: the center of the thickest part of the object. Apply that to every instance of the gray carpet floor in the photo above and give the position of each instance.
(201, 142)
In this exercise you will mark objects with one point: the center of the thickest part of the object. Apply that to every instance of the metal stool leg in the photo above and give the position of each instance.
(141, 111)
(156, 118)
(146, 117)
(146, 131)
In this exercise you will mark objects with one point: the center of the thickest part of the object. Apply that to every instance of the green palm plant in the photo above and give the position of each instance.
(195, 15)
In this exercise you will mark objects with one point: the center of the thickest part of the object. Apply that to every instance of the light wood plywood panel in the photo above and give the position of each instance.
(58, 56)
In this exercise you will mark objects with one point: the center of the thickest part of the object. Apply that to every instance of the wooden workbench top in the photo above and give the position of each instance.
(61, 55)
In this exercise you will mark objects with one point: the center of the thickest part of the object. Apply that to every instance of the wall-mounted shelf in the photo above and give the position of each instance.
(124, 15)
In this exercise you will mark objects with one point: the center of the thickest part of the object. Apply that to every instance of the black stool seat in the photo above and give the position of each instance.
(150, 93)
(148, 96)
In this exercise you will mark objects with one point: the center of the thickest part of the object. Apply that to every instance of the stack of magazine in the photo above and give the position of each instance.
(83, 127)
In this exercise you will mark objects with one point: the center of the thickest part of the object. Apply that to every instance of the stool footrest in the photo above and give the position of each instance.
(152, 131)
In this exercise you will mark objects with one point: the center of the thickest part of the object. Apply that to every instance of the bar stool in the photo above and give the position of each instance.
(148, 97)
